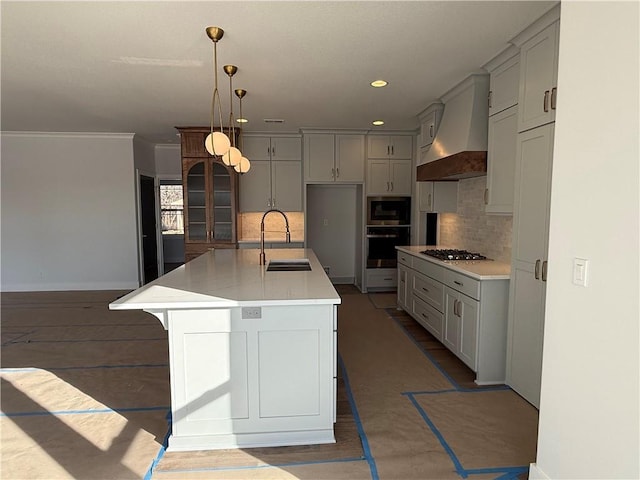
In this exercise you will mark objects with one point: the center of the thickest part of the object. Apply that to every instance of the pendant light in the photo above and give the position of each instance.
(243, 165)
(216, 143)
(233, 156)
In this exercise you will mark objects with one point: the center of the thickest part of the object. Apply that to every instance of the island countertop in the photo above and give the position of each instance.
(223, 278)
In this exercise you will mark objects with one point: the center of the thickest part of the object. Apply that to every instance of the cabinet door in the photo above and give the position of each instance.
(286, 148)
(378, 177)
(403, 286)
(504, 84)
(538, 77)
(286, 186)
(319, 151)
(223, 215)
(425, 196)
(196, 221)
(349, 158)
(400, 177)
(255, 187)
(256, 148)
(378, 146)
(501, 161)
(401, 147)
(469, 320)
(451, 336)
(428, 129)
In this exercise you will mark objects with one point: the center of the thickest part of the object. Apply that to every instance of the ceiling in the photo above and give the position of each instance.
(146, 67)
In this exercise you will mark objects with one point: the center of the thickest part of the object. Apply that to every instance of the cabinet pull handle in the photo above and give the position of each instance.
(387, 279)
(273, 201)
(273, 151)
(545, 103)
(392, 150)
(425, 316)
(490, 92)
(544, 271)
(425, 289)
(486, 196)
(333, 173)
(429, 201)
(337, 172)
(391, 186)
(458, 283)
(430, 131)
(387, 186)
(536, 272)
(387, 149)
(268, 202)
(554, 97)
(456, 308)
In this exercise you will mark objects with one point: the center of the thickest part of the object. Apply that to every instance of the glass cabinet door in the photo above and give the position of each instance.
(196, 204)
(222, 206)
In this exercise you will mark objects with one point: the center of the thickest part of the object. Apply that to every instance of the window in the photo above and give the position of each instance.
(171, 207)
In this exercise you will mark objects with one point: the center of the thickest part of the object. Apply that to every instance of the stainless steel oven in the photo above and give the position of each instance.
(388, 210)
(382, 242)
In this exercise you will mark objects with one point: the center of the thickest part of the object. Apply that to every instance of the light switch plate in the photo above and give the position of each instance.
(580, 270)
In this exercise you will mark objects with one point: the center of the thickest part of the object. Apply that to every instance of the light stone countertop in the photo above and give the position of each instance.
(226, 278)
(478, 269)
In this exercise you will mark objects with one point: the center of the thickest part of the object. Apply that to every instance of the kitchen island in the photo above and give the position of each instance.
(252, 352)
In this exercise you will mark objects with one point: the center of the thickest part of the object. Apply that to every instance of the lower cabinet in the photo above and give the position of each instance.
(468, 315)
(381, 278)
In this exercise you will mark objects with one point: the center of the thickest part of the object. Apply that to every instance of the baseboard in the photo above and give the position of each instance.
(64, 287)
(536, 474)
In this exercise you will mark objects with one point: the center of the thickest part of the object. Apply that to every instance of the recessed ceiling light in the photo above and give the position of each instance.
(242, 120)
(379, 83)
(377, 123)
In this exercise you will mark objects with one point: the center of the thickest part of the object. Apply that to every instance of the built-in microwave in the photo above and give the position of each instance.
(388, 210)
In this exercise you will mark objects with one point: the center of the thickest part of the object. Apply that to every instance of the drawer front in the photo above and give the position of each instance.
(428, 317)
(405, 259)
(429, 290)
(382, 279)
(427, 268)
(463, 284)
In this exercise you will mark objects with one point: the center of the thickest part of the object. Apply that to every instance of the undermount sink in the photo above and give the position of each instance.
(293, 265)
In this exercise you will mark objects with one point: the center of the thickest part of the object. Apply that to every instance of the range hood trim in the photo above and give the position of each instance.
(455, 167)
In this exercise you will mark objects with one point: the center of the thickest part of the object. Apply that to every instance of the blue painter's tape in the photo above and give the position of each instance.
(456, 463)
(82, 412)
(162, 450)
(93, 367)
(356, 416)
(510, 473)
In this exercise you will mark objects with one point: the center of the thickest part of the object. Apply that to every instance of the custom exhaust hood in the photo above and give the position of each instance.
(459, 149)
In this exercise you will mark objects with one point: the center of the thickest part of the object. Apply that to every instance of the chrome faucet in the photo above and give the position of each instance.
(263, 258)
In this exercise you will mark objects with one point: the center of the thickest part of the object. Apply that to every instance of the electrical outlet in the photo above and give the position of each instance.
(251, 312)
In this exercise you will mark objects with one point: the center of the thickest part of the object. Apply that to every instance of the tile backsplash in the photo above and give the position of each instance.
(474, 230)
(274, 229)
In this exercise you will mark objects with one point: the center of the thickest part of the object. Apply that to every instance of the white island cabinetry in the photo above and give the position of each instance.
(252, 353)
(463, 304)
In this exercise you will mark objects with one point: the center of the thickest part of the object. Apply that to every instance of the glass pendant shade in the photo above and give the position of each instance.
(232, 157)
(243, 165)
(217, 143)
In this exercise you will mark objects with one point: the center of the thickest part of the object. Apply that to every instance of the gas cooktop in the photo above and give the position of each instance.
(453, 255)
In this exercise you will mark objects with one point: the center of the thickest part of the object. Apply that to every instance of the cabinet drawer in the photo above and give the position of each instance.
(462, 283)
(405, 259)
(382, 279)
(429, 290)
(427, 268)
(428, 317)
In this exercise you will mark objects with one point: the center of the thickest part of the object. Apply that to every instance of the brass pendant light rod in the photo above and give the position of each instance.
(216, 139)
(244, 164)
(231, 71)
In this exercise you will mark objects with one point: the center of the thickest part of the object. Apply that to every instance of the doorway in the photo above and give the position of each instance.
(148, 224)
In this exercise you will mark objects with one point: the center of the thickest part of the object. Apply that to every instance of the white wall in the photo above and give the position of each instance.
(168, 161)
(68, 212)
(589, 412)
(334, 243)
(144, 156)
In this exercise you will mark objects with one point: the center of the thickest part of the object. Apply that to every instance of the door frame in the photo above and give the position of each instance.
(156, 196)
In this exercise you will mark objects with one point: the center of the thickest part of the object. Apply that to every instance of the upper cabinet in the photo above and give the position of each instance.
(389, 177)
(504, 81)
(332, 158)
(394, 146)
(275, 178)
(538, 79)
(429, 121)
(504, 84)
(210, 196)
(438, 197)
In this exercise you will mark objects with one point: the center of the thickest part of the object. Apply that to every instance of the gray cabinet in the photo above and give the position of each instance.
(330, 158)
(275, 178)
(389, 146)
